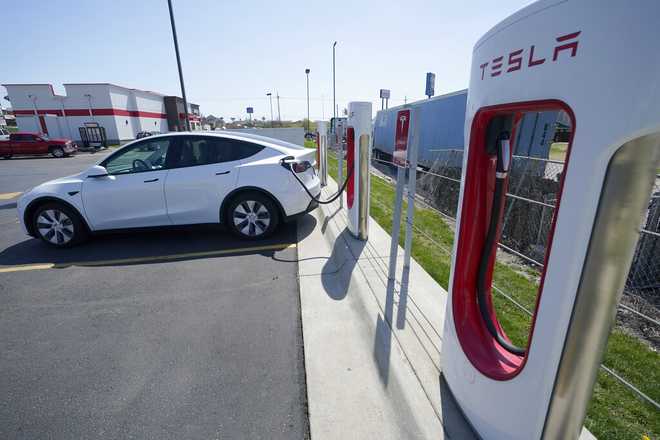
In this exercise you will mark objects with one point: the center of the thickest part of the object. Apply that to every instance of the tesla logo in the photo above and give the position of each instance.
(517, 58)
(403, 120)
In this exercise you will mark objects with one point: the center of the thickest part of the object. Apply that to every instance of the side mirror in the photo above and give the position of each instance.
(96, 172)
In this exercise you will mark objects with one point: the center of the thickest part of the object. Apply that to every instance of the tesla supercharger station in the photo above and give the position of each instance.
(322, 151)
(358, 152)
(597, 65)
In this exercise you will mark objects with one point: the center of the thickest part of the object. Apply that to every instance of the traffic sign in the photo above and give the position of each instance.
(430, 84)
(250, 110)
(401, 137)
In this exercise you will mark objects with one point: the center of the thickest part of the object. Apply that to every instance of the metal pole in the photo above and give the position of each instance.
(340, 146)
(178, 63)
(334, 96)
(270, 96)
(412, 187)
(34, 106)
(396, 226)
(307, 73)
(279, 115)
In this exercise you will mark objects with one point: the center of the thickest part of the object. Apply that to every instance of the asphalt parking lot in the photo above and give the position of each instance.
(179, 333)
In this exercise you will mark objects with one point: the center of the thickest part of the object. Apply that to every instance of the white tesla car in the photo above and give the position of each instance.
(241, 180)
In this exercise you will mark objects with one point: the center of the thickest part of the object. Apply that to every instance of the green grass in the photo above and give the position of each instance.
(614, 413)
(558, 151)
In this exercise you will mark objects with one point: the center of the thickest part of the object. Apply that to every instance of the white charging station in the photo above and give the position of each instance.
(597, 63)
(358, 158)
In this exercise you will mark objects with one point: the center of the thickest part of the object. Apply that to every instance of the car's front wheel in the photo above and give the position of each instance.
(57, 152)
(252, 216)
(58, 225)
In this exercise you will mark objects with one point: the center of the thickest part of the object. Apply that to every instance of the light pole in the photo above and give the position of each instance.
(178, 63)
(339, 145)
(34, 106)
(89, 105)
(279, 115)
(307, 73)
(334, 96)
(270, 96)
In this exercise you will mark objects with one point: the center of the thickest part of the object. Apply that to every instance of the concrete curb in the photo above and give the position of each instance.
(366, 377)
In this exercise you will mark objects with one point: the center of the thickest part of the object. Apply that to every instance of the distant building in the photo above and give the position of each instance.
(121, 111)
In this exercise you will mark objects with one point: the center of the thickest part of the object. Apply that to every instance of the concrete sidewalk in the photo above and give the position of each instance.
(372, 359)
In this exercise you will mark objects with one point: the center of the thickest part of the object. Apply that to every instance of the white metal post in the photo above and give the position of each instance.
(396, 226)
(323, 152)
(412, 187)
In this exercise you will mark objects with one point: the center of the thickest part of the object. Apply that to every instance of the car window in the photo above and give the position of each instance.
(24, 138)
(138, 158)
(205, 150)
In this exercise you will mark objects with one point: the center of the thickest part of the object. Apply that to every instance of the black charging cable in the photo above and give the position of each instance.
(501, 174)
(286, 164)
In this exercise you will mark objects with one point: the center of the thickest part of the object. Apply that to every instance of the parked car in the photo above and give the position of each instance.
(31, 143)
(236, 179)
(4, 134)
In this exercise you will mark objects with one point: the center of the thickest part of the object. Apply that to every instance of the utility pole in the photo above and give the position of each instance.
(307, 73)
(270, 96)
(334, 96)
(178, 63)
(279, 115)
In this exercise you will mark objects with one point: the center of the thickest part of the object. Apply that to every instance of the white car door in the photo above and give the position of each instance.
(131, 195)
(204, 170)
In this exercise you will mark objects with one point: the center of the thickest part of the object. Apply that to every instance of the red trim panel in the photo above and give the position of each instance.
(96, 112)
(485, 354)
(350, 158)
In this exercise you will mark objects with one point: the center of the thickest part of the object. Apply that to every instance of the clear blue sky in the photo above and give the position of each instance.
(234, 52)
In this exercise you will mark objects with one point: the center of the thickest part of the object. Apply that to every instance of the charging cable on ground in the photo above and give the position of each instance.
(286, 163)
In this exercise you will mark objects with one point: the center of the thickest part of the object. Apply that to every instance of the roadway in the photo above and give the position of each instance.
(178, 333)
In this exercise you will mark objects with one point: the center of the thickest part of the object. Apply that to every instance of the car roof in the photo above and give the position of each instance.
(276, 144)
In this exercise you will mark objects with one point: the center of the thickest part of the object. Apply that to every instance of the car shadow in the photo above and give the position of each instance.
(147, 246)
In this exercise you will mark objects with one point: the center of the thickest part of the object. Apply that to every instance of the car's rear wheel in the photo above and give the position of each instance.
(252, 216)
(57, 152)
(58, 225)
(7, 156)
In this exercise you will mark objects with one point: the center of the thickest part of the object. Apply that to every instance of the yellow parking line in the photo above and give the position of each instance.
(9, 196)
(42, 266)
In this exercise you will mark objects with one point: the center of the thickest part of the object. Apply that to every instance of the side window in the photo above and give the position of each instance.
(205, 150)
(144, 156)
(241, 150)
(195, 151)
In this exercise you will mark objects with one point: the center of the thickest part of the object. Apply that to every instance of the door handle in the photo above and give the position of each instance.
(220, 173)
(151, 180)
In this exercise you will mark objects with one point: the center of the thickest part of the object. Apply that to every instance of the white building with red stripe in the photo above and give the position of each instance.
(122, 111)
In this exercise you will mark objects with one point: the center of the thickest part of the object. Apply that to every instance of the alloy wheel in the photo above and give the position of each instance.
(55, 226)
(251, 218)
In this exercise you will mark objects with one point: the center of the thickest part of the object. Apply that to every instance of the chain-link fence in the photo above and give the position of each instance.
(531, 200)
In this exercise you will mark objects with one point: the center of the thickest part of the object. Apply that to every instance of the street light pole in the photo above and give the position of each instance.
(307, 73)
(279, 115)
(178, 63)
(339, 144)
(36, 112)
(270, 96)
(334, 96)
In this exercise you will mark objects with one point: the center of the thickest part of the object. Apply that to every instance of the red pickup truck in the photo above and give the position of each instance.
(20, 144)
